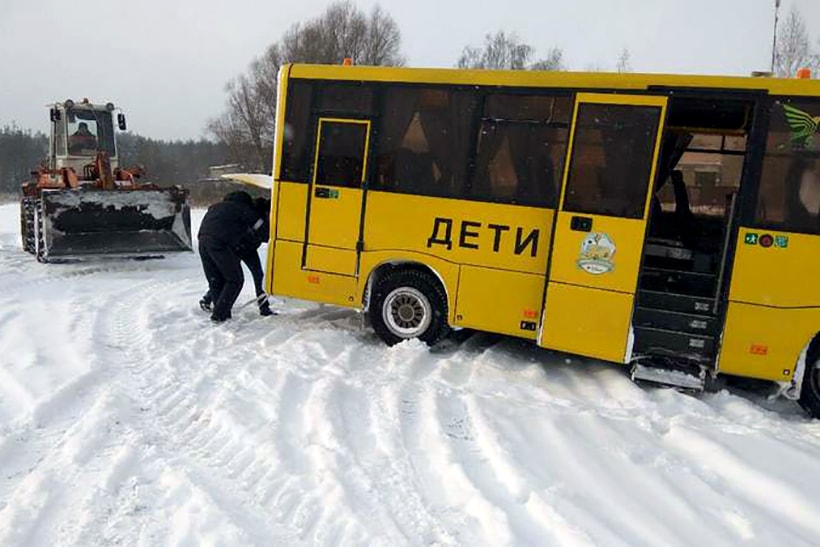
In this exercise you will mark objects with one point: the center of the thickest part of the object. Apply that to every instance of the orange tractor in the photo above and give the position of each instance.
(80, 203)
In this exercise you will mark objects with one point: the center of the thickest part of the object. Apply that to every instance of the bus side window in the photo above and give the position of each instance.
(789, 193)
(611, 160)
(346, 99)
(423, 140)
(298, 130)
(340, 160)
(520, 149)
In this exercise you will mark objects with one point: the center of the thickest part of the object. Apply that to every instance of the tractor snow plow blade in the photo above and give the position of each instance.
(117, 223)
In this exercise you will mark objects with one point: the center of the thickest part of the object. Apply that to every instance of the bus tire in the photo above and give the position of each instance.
(409, 304)
(810, 394)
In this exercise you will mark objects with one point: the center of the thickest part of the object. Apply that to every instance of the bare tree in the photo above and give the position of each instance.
(382, 45)
(247, 125)
(553, 61)
(793, 49)
(500, 51)
(624, 61)
(242, 127)
(594, 67)
(506, 51)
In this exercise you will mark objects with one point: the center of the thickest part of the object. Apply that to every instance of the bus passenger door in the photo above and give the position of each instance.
(601, 224)
(336, 196)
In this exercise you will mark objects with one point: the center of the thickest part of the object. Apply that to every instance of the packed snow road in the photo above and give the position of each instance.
(126, 417)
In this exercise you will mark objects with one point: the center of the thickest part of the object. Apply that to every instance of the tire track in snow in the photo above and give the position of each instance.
(171, 393)
(221, 450)
(368, 408)
(325, 431)
(459, 507)
(477, 448)
(724, 471)
(70, 431)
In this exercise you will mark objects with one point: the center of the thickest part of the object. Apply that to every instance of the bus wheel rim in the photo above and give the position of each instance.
(407, 312)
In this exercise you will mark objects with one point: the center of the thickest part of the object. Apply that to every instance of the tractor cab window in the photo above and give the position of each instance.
(89, 132)
(59, 141)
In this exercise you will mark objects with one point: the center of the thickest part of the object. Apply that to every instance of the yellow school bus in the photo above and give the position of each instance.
(661, 221)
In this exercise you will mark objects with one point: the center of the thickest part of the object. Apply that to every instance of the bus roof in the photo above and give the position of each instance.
(574, 80)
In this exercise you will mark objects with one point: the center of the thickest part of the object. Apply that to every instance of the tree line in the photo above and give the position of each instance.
(243, 133)
(20, 151)
(166, 162)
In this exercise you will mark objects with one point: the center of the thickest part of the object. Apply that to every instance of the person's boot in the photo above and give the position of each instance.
(264, 310)
(204, 305)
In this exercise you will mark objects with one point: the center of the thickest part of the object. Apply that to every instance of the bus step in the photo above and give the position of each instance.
(676, 321)
(678, 281)
(676, 302)
(682, 345)
(687, 377)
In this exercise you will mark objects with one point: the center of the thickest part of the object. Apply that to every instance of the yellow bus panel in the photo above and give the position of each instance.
(274, 214)
(776, 269)
(578, 258)
(331, 260)
(289, 279)
(465, 232)
(763, 342)
(292, 211)
(499, 301)
(576, 316)
(335, 222)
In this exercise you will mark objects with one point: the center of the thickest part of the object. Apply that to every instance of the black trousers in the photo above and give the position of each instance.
(223, 272)
(250, 258)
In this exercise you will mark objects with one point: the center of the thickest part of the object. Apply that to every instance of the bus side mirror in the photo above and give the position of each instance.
(55, 115)
(121, 121)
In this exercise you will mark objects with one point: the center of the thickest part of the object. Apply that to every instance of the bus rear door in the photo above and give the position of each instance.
(601, 224)
(336, 196)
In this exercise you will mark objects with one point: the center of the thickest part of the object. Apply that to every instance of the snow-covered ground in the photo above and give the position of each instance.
(127, 418)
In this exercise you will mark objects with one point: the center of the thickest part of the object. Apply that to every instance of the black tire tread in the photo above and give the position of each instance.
(810, 394)
(422, 281)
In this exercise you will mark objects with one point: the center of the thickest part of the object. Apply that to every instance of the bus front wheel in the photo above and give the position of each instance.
(409, 304)
(810, 394)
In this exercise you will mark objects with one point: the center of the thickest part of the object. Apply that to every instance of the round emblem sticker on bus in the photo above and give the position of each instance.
(597, 252)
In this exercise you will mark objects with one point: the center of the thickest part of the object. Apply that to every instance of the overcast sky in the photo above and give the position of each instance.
(166, 61)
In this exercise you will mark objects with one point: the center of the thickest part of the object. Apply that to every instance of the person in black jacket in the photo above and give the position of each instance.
(224, 228)
(247, 251)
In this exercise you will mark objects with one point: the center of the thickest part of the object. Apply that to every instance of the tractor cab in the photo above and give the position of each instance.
(80, 131)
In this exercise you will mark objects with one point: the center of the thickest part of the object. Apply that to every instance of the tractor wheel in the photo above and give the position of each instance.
(39, 237)
(27, 224)
(23, 224)
(409, 304)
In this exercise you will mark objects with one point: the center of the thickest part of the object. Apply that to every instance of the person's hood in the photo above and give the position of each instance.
(240, 197)
(262, 206)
